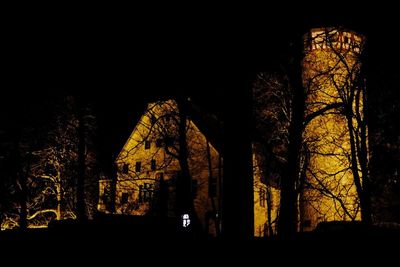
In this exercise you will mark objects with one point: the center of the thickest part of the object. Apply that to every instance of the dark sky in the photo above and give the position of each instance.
(123, 59)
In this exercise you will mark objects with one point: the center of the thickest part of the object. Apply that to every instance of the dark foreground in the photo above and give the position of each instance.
(133, 239)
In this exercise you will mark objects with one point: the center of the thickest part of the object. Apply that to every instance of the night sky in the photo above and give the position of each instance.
(123, 60)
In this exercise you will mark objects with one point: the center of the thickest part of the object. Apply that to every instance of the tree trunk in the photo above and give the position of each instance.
(210, 178)
(23, 219)
(269, 211)
(58, 188)
(359, 154)
(363, 155)
(113, 187)
(364, 201)
(162, 199)
(20, 179)
(185, 194)
(237, 207)
(287, 224)
(80, 205)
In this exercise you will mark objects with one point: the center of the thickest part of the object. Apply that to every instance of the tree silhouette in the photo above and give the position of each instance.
(43, 159)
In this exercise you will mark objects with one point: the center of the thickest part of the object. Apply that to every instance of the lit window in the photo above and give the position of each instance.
(185, 220)
(146, 193)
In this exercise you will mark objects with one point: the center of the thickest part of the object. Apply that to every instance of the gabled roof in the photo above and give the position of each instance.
(208, 124)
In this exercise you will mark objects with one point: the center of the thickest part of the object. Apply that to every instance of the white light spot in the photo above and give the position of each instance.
(185, 220)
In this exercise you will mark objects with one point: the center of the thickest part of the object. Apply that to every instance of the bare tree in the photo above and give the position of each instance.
(272, 111)
(44, 166)
(319, 101)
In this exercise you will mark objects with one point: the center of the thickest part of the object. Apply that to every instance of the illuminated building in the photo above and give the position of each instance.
(148, 165)
(149, 159)
(331, 66)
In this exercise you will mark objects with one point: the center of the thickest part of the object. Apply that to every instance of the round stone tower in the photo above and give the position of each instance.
(331, 69)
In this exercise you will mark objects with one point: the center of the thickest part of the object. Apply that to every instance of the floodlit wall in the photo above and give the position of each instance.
(330, 68)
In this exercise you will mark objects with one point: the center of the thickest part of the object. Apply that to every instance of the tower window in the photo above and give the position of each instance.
(138, 166)
(333, 38)
(153, 120)
(147, 144)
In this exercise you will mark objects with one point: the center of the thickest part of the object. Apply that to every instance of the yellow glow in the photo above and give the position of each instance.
(328, 68)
